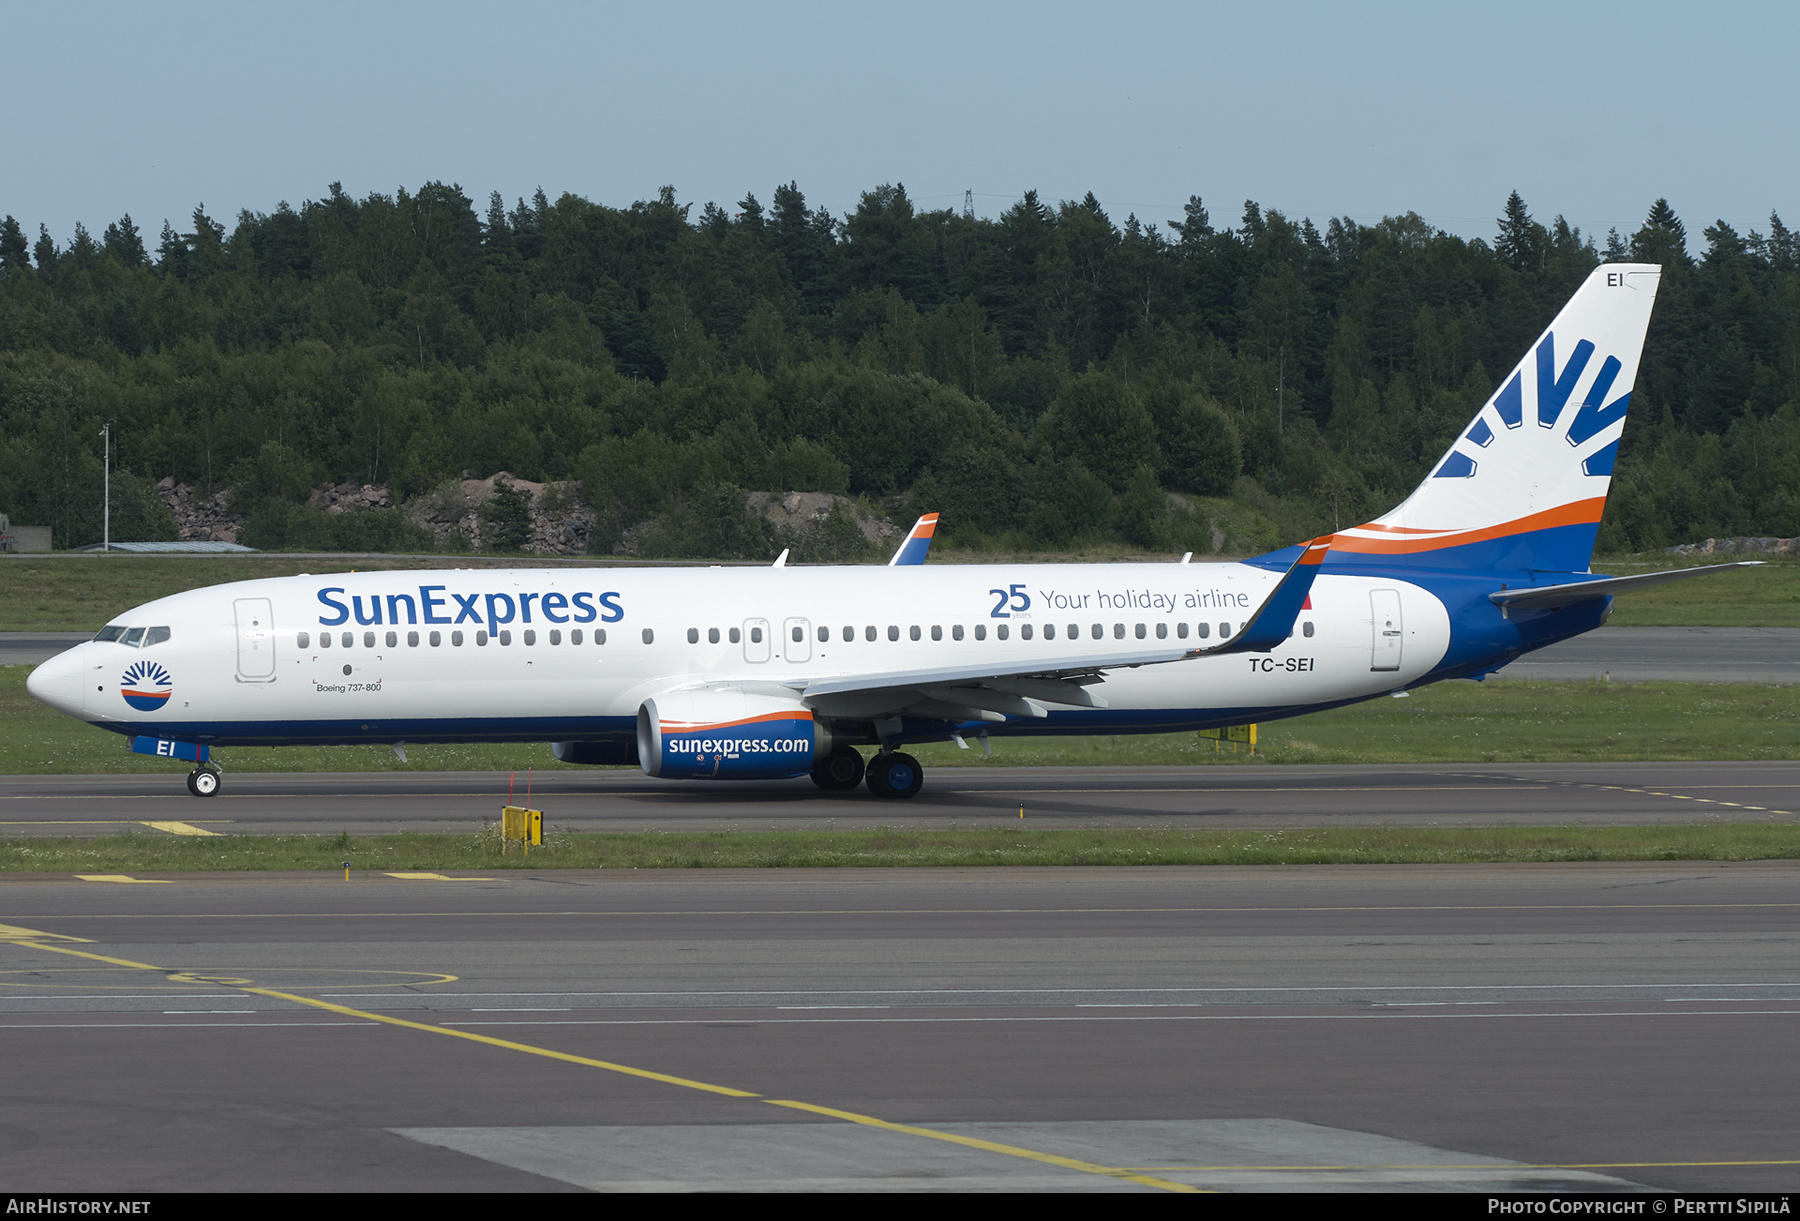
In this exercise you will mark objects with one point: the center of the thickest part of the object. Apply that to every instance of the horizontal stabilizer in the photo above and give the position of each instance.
(1550, 597)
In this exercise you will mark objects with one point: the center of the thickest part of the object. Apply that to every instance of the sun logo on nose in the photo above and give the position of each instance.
(146, 686)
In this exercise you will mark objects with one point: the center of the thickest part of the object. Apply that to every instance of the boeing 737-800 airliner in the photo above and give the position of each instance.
(776, 672)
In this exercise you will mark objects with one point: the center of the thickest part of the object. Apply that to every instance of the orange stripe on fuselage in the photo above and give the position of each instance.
(799, 714)
(1577, 513)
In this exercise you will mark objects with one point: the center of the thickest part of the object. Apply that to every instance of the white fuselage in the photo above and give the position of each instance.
(421, 656)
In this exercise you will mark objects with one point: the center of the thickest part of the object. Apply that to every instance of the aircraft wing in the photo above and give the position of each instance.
(984, 693)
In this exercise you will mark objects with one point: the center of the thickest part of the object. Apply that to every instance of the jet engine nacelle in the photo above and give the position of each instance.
(728, 735)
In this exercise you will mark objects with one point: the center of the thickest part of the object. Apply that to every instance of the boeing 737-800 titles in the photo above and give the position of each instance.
(776, 672)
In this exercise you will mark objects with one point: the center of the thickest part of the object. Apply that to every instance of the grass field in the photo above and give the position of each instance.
(1493, 722)
(82, 592)
(886, 847)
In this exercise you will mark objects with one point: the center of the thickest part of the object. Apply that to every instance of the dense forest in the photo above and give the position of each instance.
(1047, 379)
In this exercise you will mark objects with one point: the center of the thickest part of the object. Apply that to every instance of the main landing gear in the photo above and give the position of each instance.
(893, 774)
(890, 774)
(842, 769)
(203, 782)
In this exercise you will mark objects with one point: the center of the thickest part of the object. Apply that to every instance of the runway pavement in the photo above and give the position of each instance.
(1578, 1027)
(1246, 796)
(1625, 654)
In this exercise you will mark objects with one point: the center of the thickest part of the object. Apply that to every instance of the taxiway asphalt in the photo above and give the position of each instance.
(1240, 796)
(1578, 1027)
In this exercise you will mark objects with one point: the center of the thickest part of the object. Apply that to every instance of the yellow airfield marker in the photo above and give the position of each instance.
(122, 877)
(179, 828)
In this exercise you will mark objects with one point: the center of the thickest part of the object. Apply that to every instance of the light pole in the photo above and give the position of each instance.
(106, 488)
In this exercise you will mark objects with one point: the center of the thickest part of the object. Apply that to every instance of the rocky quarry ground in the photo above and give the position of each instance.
(561, 522)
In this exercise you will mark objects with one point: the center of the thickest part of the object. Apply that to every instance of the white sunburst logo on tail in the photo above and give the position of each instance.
(1525, 484)
(1596, 415)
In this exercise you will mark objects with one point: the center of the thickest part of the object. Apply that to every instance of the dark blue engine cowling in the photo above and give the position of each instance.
(728, 735)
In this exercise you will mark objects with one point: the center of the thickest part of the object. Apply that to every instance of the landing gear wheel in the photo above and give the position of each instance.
(895, 775)
(203, 782)
(842, 769)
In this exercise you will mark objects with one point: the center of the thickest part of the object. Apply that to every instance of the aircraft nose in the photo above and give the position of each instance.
(58, 682)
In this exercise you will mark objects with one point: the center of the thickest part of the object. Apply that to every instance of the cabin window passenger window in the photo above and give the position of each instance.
(913, 631)
(1181, 630)
(393, 640)
(736, 635)
(1025, 632)
(1049, 631)
(893, 632)
(481, 639)
(981, 631)
(1099, 631)
(824, 634)
(956, 631)
(1306, 629)
(1074, 631)
(1140, 631)
(1224, 630)
(324, 640)
(650, 635)
(436, 639)
(1118, 631)
(799, 635)
(412, 640)
(456, 639)
(555, 636)
(712, 635)
(693, 635)
(849, 633)
(1162, 631)
(755, 636)
(599, 635)
(155, 635)
(506, 636)
(869, 632)
(346, 639)
(1003, 631)
(937, 631)
(303, 640)
(575, 635)
(1204, 629)
(530, 635)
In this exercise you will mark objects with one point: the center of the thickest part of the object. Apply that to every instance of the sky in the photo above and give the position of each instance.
(1588, 110)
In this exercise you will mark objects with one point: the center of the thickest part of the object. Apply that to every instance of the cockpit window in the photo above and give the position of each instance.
(111, 631)
(155, 635)
(133, 638)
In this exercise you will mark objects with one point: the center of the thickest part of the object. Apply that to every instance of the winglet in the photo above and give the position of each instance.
(1273, 621)
(917, 542)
